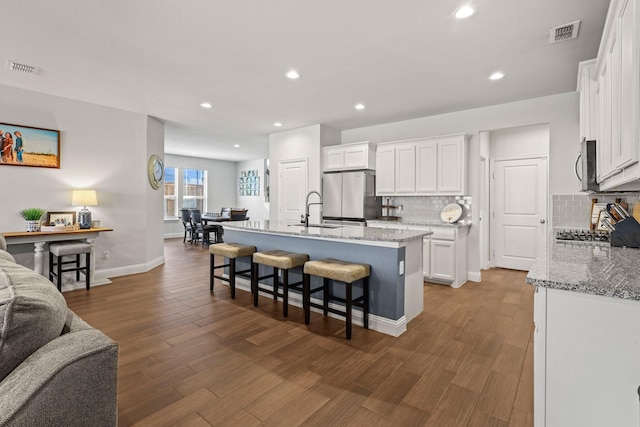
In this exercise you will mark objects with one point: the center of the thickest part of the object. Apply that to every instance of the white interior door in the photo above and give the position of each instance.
(293, 188)
(519, 220)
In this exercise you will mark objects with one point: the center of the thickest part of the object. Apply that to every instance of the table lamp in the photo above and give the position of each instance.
(84, 198)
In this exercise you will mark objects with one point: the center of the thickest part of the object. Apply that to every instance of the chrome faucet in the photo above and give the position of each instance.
(306, 212)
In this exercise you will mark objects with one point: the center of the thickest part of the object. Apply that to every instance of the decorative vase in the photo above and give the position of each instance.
(33, 225)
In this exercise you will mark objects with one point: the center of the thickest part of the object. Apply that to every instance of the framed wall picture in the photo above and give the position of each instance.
(61, 218)
(29, 146)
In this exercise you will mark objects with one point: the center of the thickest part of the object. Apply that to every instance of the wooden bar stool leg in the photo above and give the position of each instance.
(254, 282)
(59, 273)
(211, 270)
(285, 293)
(275, 283)
(306, 297)
(50, 266)
(77, 266)
(87, 270)
(365, 290)
(232, 277)
(325, 296)
(349, 307)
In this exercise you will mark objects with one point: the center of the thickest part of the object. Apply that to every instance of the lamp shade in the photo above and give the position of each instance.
(84, 198)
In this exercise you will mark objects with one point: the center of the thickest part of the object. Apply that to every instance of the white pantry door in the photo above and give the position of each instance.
(293, 189)
(520, 212)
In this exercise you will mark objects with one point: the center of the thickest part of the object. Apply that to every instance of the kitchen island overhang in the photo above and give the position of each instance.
(395, 256)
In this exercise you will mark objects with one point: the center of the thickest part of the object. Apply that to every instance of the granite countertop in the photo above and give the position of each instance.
(426, 222)
(589, 268)
(336, 232)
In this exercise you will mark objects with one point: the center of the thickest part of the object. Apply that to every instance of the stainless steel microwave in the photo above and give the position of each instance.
(586, 162)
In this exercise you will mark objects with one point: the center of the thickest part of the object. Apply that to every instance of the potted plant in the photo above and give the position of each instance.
(32, 217)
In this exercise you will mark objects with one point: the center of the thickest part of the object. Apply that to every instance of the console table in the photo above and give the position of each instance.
(40, 238)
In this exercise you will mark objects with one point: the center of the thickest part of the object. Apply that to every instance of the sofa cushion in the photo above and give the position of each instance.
(32, 313)
(6, 256)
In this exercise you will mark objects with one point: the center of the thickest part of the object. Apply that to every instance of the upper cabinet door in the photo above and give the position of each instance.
(386, 170)
(333, 158)
(354, 156)
(406, 169)
(629, 87)
(451, 166)
(422, 167)
(427, 167)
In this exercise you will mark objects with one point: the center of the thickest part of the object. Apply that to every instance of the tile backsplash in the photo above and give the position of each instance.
(574, 211)
(426, 208)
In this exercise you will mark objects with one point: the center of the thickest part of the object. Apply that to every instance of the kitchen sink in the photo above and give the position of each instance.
(315, 225)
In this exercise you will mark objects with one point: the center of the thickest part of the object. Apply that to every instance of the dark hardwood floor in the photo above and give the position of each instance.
(189, 357)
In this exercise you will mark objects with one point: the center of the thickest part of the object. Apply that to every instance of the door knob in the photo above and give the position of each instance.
(542, 221)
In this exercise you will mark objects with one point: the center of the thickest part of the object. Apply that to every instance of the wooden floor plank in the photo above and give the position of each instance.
(192, 357)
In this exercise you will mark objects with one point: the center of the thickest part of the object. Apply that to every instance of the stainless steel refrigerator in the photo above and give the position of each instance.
(349, 196)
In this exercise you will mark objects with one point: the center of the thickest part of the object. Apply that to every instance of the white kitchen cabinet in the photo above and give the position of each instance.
(406, 168)
(587, 86)
(444, 252)
(422, 167)
(426, 256)
(452, 165)
(617, 74)
(443, 257)
(427, 167)
(359, 155)
(587, 353)
(385, 171)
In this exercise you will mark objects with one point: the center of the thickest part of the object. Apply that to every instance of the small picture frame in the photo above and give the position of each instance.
(61, 218)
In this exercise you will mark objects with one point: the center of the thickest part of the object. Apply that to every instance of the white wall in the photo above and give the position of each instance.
(258, 207)
(100, 148)
(520, 141)
(560, 111)
(303, 143)
(221, 189)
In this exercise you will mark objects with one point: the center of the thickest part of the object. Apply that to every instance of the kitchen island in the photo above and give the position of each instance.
(395, 256)
(586, 336)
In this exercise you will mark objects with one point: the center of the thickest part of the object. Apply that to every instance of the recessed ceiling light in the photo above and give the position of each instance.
(464, 12)
(497, 75)
(205, 105)
(277, 124)
(236, 145)
(359, 106)
(292, 74)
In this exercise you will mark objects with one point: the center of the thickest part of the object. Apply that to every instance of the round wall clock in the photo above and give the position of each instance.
(451, 213)
(156, 171)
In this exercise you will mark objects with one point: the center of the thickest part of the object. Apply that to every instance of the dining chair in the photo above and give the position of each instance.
(186, 223)
(195, 218)
(200, 227)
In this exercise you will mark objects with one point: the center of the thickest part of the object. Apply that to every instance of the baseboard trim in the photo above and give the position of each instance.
(381, 324)
(173, 235)
(105, 274)
(474, 276)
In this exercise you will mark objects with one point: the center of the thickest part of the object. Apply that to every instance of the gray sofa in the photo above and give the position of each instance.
(55, 369)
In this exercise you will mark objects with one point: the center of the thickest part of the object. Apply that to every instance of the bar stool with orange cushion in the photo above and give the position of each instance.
(279, 260)
(338, 271)
(231, 251)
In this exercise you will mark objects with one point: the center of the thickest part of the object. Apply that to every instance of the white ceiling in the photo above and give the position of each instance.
(402, 59)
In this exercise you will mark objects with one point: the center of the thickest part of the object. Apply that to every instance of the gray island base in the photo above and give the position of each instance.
(395, 257)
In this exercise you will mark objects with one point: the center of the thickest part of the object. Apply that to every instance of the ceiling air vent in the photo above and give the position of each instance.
(564, 32)
(14, 66)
